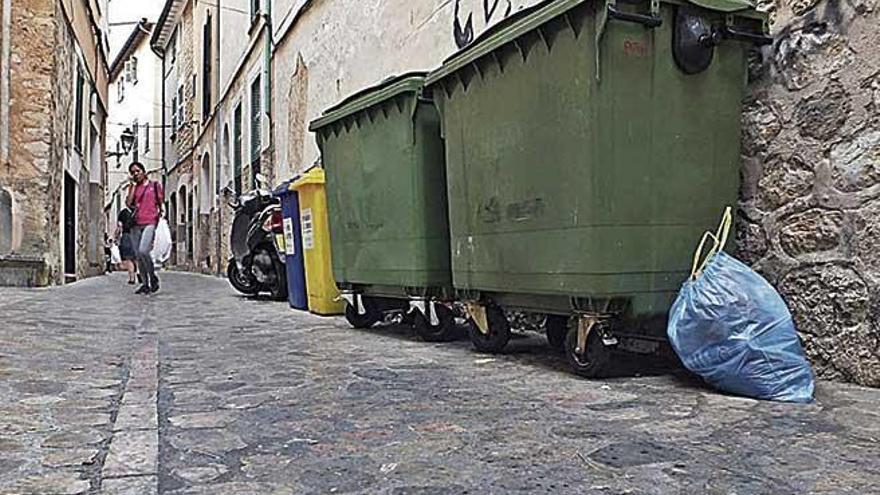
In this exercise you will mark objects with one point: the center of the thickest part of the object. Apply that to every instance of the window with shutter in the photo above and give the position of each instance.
(206, 69)
(236, 147)
(173, 44)
(173, 115)
(255, 10)
(132, 70)
(78, 111)
(146, 138)
(180, 108)
(256, 127)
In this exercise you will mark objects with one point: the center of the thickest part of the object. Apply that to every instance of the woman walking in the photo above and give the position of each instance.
(145, 198)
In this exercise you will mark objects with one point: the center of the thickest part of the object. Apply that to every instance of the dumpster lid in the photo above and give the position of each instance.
(314, 175)
(724, 5)
(410, 82)
(531, 18)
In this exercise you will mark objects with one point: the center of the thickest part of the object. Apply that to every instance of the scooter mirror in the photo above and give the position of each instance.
(262, 181)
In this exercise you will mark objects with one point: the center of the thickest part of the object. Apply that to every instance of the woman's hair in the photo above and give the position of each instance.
(138, 165)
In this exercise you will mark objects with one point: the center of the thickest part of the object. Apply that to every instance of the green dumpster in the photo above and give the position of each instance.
(386, 186)
(588, 145)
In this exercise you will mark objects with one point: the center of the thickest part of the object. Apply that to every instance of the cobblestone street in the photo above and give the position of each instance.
(196, 390)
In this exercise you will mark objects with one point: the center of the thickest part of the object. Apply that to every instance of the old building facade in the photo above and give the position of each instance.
(53, 101)
(133, 116)
(236, 139)
(236, 76)
(172, 41)
(225, 50)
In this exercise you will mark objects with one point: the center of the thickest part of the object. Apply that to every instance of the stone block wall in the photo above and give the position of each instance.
(186, 135)
(28, 178)
(809, 217)
(43, 68)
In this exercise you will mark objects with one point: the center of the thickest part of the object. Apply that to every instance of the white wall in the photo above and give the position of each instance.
(234, 37)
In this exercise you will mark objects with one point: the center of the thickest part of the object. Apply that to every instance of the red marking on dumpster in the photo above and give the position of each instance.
(635, 48)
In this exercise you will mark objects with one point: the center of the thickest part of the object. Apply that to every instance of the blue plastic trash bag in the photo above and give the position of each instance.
(732, 328)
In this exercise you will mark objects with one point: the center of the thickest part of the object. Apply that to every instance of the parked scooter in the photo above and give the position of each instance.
(257, 243)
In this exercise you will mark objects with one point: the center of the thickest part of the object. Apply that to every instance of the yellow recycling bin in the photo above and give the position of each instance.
(320, 285)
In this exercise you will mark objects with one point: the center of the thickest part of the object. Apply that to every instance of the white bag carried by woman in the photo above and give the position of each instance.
(161, 242)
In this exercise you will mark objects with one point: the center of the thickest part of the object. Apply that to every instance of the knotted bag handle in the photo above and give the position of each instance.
(720, 240)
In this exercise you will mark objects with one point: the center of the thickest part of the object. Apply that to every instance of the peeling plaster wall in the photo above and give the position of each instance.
(809, 217)
(331, 49)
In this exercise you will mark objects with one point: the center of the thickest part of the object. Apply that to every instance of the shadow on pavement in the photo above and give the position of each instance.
(530, 348)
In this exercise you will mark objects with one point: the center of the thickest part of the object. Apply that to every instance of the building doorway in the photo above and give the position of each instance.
(189, 227)
(69, 226)
(182, 227)
(172, 221)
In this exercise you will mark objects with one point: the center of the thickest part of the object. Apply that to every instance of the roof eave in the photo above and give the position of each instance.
(165, 25)
(139, 32)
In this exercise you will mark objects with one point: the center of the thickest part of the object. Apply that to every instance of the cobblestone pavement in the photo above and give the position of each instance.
(196, 390)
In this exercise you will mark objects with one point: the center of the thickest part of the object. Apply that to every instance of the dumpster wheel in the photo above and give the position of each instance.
(370, 316)
(556, 327)
(441, 332)
(493, 338)
(592, 358)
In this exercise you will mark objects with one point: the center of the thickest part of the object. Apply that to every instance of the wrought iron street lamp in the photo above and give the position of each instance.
(126, 139)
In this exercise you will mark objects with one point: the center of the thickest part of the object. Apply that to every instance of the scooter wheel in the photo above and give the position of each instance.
(278, 290)
(242, 282)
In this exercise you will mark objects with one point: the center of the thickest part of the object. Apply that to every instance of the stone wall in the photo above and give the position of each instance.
(27, 177)
(186, 135)
(810, 209)
(43, 68)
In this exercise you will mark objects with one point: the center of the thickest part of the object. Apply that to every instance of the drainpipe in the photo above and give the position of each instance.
(218, 136)
(267, 63)
(5, 28)
(164, 117)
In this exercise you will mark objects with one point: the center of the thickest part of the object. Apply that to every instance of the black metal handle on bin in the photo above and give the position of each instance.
(756, 38)
(649, 21)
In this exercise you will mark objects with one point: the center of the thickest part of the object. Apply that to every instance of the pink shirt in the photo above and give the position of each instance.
(146, 198)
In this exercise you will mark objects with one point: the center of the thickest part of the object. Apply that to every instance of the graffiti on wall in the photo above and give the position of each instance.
(486, 12)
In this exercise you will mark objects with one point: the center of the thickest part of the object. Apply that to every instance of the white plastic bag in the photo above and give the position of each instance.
(161, 242)
(115, 256)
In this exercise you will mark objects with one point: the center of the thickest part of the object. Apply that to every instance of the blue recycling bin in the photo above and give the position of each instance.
(296, 273)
